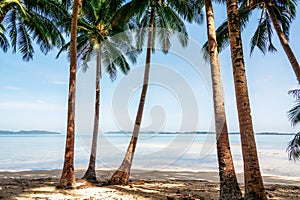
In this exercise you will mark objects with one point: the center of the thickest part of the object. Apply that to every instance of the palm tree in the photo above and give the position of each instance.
(67, 179)
(277, 13)
(278, 19)
(293, 148)
(29, 21)
(165, 14)
(96, 36)
(254, 187)
(229, 187)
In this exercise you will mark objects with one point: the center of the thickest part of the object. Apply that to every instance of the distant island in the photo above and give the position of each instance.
(41, 132)
(195, 132)
(32, 132)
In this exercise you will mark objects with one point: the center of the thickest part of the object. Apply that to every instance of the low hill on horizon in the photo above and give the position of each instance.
(195, 132)
(31, 132)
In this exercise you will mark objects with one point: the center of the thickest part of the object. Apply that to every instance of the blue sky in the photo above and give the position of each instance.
(33, 95)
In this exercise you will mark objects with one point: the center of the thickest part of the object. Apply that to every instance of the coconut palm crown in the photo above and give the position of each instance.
(285, 12)
(26, 21)
(154, 20)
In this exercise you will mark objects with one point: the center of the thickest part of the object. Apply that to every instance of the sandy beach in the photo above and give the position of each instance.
(143, 185)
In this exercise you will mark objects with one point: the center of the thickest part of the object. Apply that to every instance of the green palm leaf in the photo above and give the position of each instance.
(12, 28)
(24, 42)
(95, 29)
(294, 114)
(295, 93)
(30, 21)
(4, 44)
(262, 37)
(293, 148)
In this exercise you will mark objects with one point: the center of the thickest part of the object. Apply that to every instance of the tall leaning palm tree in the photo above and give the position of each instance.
(26, 21)
(278, 14)
(254, 187)
(97, 37)
(67, 179)
(229, 187)
(150, 14)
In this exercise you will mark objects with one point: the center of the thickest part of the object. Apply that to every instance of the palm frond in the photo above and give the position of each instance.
(184, 8)
(11, 20)
(122, 64)
(163, 33)
(284, 18)
(51, 9)
(174, 23)
(63, 48)
(127, 11)
(7, 5)
(67, 3)
(198, 11)
(295, 93)
(271, 47)
(140, 36)
(4, 44)
(294, 113)
(24, 43)
(113, 57)
(30, 21)
(259, 38)
(124, 43)
(88, 11)
(44, 32)
(293, 148)
(84, 56)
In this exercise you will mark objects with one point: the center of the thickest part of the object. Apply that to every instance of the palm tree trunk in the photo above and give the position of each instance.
(229, 187)
(67, 179)
(254, 187)
(284, 43)
(121, 176)
(90, 174)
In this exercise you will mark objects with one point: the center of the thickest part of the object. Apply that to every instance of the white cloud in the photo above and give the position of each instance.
(10, 87)
(59, 82)
(264, 79)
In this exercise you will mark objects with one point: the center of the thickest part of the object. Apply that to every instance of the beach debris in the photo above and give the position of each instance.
(142, 182)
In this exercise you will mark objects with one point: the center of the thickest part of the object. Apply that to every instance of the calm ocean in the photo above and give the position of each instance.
(191, 152)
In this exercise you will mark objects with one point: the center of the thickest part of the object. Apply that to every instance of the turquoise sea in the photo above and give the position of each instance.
(191, 152)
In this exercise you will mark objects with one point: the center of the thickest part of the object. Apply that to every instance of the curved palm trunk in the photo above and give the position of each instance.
(121, 176)
(90, 174)
(229, 187)
(284, 43)
(67, 179)
(254, 187)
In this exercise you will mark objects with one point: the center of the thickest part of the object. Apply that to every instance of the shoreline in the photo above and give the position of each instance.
(144, 185)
